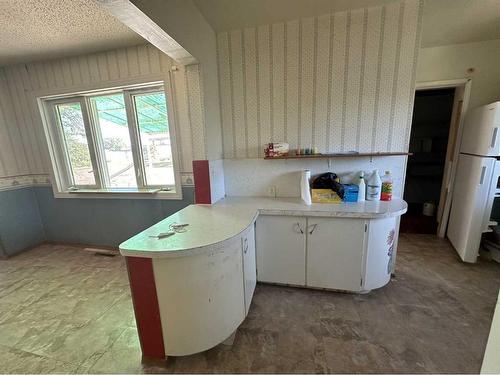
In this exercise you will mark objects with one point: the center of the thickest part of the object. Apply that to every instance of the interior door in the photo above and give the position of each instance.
(452, 151)
(281, 249)
(470, 196)
(335, 253)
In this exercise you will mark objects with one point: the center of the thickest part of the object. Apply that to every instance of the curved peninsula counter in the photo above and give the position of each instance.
(193, 289)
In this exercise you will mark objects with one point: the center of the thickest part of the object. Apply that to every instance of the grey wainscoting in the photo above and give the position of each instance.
(21, 226)
(106, 222)
(31, 215)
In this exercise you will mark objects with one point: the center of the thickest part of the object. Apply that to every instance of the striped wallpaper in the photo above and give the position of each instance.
(23, 150)
(339, 82)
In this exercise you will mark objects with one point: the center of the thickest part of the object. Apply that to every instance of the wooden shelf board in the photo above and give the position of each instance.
(341, 155)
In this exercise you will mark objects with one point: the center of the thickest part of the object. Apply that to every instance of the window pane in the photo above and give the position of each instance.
(75, 138)
(151, 112)
(113, 127)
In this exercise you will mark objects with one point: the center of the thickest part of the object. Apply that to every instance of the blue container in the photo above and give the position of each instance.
(351, 193)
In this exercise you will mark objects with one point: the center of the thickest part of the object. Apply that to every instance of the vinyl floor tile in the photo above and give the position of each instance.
(65, 310)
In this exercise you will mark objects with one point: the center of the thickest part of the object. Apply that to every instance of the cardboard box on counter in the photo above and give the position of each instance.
(324, 196)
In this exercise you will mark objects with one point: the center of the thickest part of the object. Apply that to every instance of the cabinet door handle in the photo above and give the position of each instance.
(494, 137)
(483, 172)
(299, 228)
(245, 246)
(313, 228)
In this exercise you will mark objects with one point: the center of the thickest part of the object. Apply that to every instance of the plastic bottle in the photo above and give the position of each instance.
(361, 187)
(386, 191)
(305, 191)
(373, 187)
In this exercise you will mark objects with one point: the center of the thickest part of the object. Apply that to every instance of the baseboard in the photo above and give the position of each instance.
(82, 245)
(5, 256)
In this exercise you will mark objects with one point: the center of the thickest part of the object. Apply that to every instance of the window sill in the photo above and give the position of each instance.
(123, 193)
(115, 191)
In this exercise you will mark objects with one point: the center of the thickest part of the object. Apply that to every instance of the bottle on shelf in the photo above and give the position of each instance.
(373, 187)
(361, 187)
(386, 191)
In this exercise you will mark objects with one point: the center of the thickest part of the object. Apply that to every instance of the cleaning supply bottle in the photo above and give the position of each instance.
(305, 191)
(373, 187)
(386, 192)
(361, 187)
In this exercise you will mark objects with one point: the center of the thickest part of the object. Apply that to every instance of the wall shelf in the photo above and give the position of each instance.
(341, 155)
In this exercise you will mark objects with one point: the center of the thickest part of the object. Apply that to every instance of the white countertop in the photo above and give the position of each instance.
(212, 225)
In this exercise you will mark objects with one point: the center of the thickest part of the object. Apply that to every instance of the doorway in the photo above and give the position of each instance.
(432, 142)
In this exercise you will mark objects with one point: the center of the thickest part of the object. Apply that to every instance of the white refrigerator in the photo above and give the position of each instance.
(476, 182)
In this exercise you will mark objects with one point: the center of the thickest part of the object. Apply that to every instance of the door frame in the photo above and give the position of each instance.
(466, 84)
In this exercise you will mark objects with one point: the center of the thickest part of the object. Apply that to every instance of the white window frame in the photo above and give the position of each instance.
(61, 171)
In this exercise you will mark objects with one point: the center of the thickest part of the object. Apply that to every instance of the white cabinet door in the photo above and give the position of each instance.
(335, 253)
(249, 270)
(281, 244)
(380, 252)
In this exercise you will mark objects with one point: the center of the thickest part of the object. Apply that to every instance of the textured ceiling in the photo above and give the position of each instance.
(445, 21)
(226, 15)
(41, 29)
(460, 21)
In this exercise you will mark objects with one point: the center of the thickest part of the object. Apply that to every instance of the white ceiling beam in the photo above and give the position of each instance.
(135, 19)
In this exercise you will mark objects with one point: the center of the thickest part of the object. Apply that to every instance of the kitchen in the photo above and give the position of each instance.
(201, 186)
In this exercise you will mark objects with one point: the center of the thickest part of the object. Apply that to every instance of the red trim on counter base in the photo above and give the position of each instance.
(146, 309)
(201, 173)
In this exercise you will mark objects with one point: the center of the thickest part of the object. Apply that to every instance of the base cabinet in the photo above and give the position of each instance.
(335, 253)
(380, 252)
(332, 253)
(281, 249)
(249, 265)
(200, 298)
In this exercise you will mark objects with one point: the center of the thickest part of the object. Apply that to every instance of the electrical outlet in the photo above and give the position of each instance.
(272, 191)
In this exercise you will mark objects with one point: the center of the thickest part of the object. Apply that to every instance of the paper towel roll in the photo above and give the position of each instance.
(305, 191)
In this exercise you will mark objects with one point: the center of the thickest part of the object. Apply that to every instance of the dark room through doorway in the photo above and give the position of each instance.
(429, 143)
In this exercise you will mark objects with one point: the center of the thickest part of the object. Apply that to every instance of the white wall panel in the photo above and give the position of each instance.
(278, 77)
(291, 83)
(196, 112)
(338, 82)
(249, 47)
(133, 62)
(306, 81)
(253, 177)
(354, 58)
(370, 83)
(23, 149)
(66, 72)
(154, 59)
(264, 82)
(21, 120)
(114, 73)
(225, 94)
(181, 113)
(15, 163)
(238, 92)
(387, 78)
(8, 147)
(404, 107)
(322, 57)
